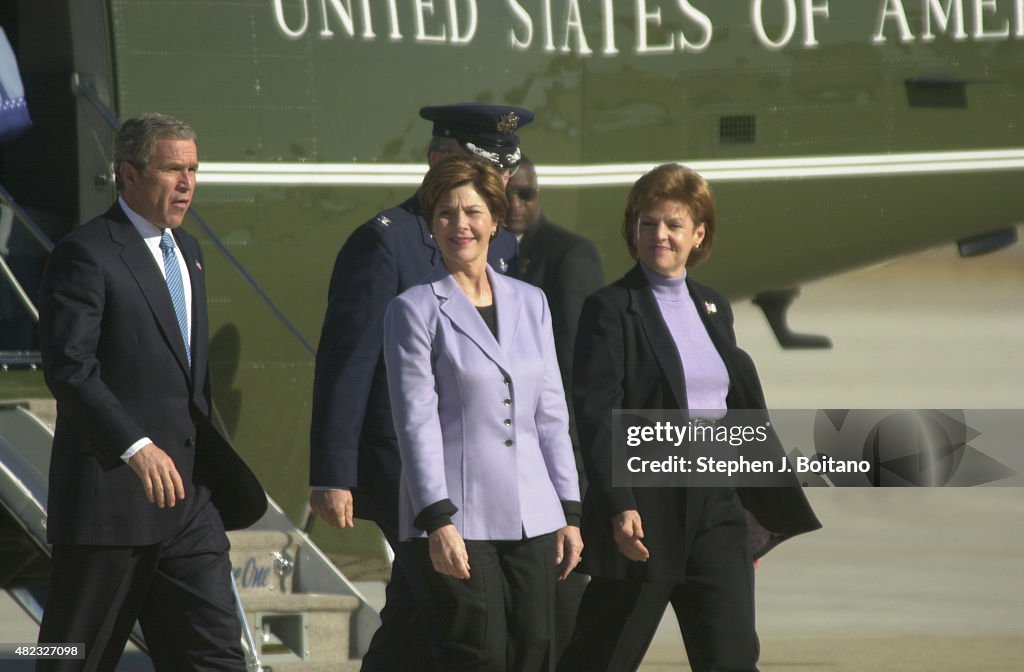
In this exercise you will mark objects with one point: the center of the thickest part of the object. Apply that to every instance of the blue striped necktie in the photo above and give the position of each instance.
(176, 288)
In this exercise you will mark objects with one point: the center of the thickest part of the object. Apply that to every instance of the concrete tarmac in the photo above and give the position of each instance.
(901, 580)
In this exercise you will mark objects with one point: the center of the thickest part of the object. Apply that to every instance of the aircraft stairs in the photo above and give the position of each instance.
(299, 612)
(305, 614)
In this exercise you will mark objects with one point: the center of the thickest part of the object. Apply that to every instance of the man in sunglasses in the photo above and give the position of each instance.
(563, 264)
(567, 267)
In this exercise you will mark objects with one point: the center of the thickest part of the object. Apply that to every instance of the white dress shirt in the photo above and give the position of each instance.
(151, 235)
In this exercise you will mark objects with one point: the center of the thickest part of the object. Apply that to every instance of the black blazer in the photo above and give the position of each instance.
(115, 361)
(568, 268)
(626, 358)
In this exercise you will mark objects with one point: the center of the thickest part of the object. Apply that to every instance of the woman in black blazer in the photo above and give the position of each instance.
(657, 340)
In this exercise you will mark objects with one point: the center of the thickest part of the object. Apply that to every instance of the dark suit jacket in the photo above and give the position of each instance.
(626, 358)
(115, 361)
(568, 268)
(352, 439)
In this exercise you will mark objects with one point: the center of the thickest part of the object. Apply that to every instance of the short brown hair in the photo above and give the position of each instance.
(455, 171)
(672, 182)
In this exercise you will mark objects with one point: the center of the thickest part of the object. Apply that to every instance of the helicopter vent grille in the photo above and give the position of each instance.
(738, 129)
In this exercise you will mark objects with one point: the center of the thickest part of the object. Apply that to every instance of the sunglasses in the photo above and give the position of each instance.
(525, 194)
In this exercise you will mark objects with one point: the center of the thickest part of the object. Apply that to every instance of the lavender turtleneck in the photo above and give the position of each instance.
(704, 372)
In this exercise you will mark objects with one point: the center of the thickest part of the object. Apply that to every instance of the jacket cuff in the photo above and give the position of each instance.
(614, 501)
(435, 516)
(573, 511)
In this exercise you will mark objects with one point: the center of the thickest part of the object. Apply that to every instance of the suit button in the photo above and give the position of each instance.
(507, 380)
(508, 442)
(189, 442)
(508, 422)
(507, 402)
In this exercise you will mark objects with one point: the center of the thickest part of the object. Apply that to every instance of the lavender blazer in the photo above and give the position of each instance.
(481, 422)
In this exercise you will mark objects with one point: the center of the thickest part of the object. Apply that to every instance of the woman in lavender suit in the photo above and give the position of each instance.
(489, 493)
(656, 339)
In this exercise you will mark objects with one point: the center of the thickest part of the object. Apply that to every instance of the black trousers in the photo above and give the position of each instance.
(714, 606)
(568, 595)
(502, 617)
(179, 591)
(408, 638)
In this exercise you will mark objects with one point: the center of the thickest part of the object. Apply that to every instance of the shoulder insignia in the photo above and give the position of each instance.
(384, 221)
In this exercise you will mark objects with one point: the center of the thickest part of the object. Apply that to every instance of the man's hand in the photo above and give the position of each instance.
(568, 547)
(159, 476)
(334, 506)
(629, 533)
(448, 552)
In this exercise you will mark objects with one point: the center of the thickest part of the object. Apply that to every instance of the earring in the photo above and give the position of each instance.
(494, 232)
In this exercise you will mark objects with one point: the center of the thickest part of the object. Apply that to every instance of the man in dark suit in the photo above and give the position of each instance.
(354, 461)
(567, 267)
(562, 263)
(142, 486)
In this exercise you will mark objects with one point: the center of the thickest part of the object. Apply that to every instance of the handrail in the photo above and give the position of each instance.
(251, 281)
(23, 218)
(29, 223)
(83, 85)
(6, 271)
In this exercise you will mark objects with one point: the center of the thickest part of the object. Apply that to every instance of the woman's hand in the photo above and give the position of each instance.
(568, 547)
(629, 533)
(448, 552)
